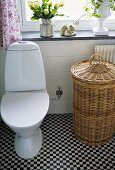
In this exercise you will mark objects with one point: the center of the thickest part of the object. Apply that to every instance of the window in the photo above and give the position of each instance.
(72, 8)
(74, 11)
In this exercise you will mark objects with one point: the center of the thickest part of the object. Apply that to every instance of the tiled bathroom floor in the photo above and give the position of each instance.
(60, 150)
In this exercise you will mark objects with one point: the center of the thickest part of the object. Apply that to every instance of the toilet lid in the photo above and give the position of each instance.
(23, 109)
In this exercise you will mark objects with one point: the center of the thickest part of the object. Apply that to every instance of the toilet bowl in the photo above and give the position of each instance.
(26, 101)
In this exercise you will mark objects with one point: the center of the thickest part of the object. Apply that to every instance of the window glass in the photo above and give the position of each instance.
(71, 8)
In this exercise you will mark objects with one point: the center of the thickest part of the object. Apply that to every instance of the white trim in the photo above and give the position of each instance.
(87, 24)
(20, 11)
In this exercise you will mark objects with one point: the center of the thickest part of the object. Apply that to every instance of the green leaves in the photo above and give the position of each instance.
(92, 7)
(112, 5)
(45, 10)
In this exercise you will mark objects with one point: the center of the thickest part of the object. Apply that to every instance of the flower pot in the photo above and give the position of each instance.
(105, 11)
(46, 28)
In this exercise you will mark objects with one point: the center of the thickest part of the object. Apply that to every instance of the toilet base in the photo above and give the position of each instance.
(28, 147)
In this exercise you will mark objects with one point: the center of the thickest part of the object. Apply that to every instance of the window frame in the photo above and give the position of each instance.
(84, 24)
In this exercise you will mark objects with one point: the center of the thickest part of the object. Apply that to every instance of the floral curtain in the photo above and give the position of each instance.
(9, 23)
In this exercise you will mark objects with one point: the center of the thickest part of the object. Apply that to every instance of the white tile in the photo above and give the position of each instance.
(60, 64)
(71, 80)
(71, 93)
(52, 92)
(77, 59)
(64, 103)
(48, 64)
(51, 109)
(58, 79)
(101, 41)
(71, 99)
(62, 106)
(64, 64)
(2, 65)
(110, 42)
(68, 48)
(70, 107)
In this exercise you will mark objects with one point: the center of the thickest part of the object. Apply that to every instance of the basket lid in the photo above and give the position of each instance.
(95, 70)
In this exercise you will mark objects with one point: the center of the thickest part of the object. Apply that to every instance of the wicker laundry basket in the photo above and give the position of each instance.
(94, 100)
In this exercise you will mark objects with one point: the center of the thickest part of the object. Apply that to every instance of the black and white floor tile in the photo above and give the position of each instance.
(60, 151)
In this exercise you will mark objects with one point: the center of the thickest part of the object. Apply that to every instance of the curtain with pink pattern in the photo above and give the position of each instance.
(9, 23)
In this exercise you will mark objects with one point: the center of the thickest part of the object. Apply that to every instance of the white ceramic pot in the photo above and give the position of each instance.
(105, 11)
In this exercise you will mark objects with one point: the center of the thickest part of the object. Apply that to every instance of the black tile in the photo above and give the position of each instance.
(60, 151)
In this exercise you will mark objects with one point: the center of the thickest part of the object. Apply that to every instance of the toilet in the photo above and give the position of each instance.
(26, 101)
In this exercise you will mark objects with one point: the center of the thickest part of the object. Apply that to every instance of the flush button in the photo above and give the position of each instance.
(22, 42)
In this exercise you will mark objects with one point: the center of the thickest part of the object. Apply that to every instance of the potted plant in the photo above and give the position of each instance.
(45, 10)
(100, 9)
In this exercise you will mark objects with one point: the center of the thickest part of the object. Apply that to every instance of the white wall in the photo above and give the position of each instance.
(58, 58)
(2, 63)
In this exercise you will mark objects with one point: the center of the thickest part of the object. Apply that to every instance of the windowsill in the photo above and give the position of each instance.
(80, 35)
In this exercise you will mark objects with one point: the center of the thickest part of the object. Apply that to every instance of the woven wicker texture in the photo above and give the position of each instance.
(96, 70)
(94, 100)
(93, 131)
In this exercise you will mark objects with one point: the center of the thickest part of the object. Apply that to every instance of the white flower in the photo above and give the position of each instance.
(46, 11)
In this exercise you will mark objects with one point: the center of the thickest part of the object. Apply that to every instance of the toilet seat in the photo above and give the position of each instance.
(24, 109)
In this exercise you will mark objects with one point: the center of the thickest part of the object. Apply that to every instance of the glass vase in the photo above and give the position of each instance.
(46, 28)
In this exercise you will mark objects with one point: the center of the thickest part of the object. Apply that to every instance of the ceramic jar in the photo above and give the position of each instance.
(46, 28)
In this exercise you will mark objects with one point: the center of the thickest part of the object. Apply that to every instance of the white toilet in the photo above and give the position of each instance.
(26, 101)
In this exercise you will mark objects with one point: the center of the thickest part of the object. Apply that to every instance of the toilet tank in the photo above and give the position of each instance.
(24, 68)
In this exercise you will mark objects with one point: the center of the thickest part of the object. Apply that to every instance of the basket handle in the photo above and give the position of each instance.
(96, 59)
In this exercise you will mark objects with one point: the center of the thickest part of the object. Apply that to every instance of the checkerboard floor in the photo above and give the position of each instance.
(60, 151)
